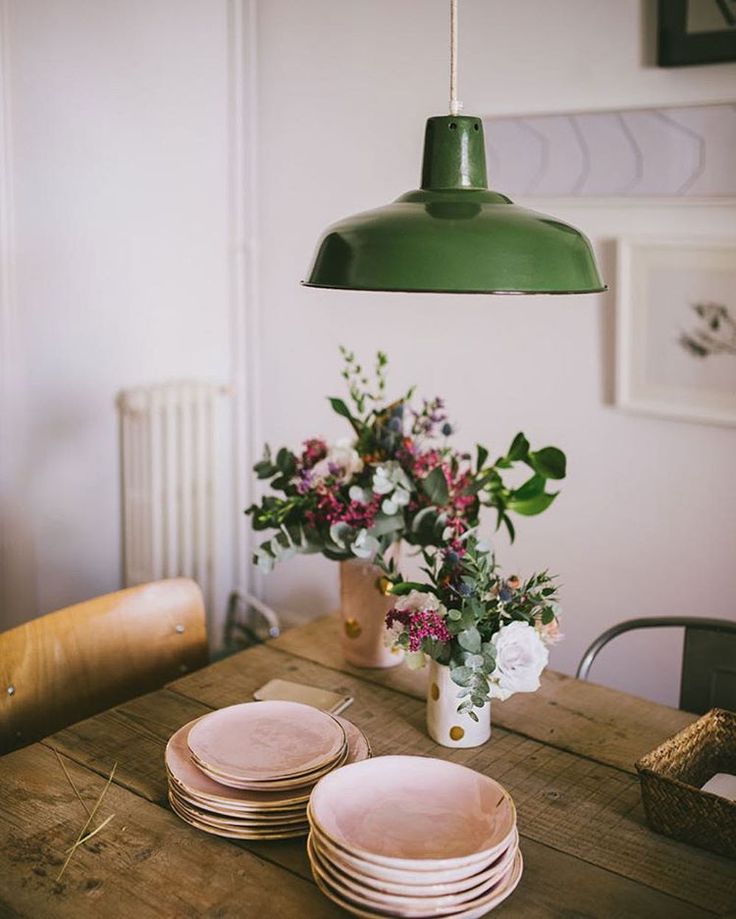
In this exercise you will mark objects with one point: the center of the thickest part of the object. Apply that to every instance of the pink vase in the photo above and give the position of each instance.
(363, 608)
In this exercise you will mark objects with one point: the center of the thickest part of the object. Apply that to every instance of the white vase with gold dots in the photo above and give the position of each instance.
(444, 724)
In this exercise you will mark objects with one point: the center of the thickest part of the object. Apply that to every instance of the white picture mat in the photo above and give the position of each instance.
(658, 280)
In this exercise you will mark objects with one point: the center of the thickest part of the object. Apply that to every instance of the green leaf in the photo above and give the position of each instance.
(481, 457)
(435, 487)
(503, 518)
(469, 640)
(339, 406)
(286, 461)
(454, 614)
(510, 527)
(264, 469)
(549, 462)
(519, 449)
(532, 506)
(385, 524)
(530, 489)
(406, 587)
(461, 675)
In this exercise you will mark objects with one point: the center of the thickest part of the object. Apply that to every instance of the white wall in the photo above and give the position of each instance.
(646, 521)
(120, 179)
(119, 141)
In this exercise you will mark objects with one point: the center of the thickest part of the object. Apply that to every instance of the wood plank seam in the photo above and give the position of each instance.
(521, 751)
(399, 717)
(549, 743)
(242, 844)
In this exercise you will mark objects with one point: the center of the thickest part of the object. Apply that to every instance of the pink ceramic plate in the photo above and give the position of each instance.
(262, 741)
(473, 910)
(231, 833)
(226, 820)
(214, 807)
(240, 807)
(413, 812)
(412, 883)
(374, 873)
(307, 779)
(181, 768)
(419, 904)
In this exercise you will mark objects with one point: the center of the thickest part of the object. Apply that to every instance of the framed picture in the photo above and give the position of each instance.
(676, 328)
(696, 32)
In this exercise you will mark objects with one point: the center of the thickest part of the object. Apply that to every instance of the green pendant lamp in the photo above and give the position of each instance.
(454, 235)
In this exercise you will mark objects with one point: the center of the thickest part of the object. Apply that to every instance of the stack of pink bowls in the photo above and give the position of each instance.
(413, 836)
(247, 771)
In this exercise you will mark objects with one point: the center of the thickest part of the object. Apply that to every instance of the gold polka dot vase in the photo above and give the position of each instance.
(444, 724)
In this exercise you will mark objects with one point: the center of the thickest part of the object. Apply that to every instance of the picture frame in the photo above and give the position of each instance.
(695, 32)
(676, 328)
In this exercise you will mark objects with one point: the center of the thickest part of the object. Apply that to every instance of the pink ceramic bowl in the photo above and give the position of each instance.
(413, 812)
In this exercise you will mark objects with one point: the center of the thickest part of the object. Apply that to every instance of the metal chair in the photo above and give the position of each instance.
(708, 676)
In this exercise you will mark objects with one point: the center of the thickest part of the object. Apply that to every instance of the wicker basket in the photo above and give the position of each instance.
(671, 778)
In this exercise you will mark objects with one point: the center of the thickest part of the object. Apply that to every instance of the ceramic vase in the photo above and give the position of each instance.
(444, 724)
(363, 609)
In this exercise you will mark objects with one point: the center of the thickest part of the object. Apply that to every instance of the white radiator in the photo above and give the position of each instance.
(167, 439)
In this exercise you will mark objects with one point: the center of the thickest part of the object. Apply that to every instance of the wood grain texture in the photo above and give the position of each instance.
(555, 884)
(573, 804)
(145, 862)
(584, 718)
(587, 851)
(85, 658)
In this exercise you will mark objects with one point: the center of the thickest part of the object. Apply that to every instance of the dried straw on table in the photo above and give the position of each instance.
(83, 836)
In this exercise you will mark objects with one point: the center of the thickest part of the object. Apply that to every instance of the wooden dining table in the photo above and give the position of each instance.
(566, 754)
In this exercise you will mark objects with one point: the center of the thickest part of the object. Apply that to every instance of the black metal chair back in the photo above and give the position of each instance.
(708, 676)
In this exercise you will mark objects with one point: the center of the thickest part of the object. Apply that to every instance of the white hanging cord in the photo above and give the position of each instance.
(455, 106)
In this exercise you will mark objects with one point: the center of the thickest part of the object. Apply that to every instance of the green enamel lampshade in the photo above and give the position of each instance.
(453, 235)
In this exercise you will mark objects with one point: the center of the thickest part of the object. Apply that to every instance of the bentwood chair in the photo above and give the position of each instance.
(708, 676)
(80, 660)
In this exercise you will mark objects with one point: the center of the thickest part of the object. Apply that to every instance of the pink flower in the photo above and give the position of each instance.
(419, 624)
(314, 450)
(550, 633)
(333, 508)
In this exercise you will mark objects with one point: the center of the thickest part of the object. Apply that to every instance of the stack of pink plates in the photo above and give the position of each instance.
(247, 771)
(415, 837)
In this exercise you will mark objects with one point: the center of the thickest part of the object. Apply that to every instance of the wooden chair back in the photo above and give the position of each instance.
(80, 660)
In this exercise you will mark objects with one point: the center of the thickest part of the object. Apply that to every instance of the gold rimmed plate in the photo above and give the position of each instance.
(266, 741)
(413, 812)
(421, 901)
(232, 833)
(474, 909)
(187, 776)
(225, 820)
(307, 780)
(412, 884)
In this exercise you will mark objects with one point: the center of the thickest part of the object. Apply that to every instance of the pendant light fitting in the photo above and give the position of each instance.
(454, 235)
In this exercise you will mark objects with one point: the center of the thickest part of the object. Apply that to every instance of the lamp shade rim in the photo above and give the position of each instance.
(454, 290)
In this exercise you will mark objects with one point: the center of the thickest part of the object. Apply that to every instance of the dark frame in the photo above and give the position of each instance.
(678, 48)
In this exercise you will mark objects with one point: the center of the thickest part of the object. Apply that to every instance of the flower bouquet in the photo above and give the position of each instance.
(484, 635)
(395, 478)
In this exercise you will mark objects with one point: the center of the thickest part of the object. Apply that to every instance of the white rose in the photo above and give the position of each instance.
(521, 656)
(342, 462)
(417, 600)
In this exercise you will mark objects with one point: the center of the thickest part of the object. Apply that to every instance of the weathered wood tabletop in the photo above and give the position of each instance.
(566, 754)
